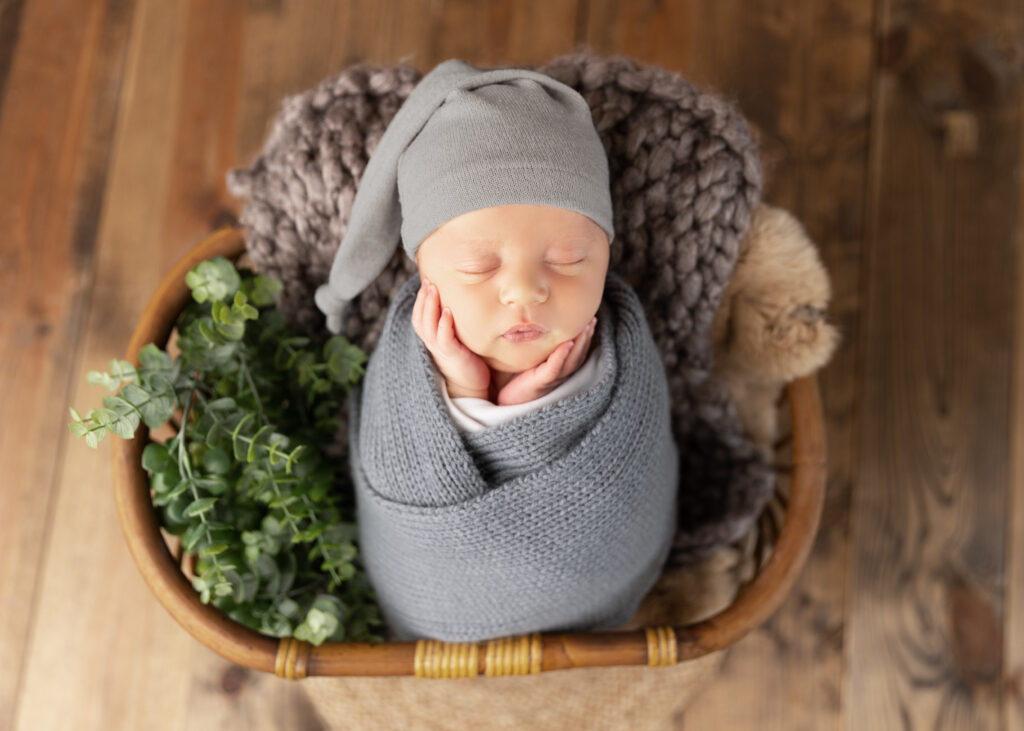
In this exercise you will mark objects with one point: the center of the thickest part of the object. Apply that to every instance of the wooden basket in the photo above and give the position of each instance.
(522, 655)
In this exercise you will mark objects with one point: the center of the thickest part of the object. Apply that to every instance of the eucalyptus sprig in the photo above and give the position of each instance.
(243, 482)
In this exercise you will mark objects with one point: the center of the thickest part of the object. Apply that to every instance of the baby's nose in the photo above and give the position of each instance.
(524, 291)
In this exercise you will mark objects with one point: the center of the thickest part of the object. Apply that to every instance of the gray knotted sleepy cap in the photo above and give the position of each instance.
(466, 139)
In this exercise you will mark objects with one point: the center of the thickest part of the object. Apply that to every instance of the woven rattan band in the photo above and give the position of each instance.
(292, 658)
(504, 656)
(661, 646)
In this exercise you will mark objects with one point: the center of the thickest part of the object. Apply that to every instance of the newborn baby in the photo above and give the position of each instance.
(523, 282)
(510, 443)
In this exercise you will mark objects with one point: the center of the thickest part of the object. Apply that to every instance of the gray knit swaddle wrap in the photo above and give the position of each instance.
(560, 519)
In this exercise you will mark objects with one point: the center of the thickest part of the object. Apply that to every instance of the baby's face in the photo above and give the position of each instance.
(504, 266)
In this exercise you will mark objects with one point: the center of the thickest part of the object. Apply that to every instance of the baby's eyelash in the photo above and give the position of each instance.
(550, 263)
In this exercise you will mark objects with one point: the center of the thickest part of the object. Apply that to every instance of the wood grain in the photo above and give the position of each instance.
(927, 591)
(54, 144)
(1013, 622)
(102, 654)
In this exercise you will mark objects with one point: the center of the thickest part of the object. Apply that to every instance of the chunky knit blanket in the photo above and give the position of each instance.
(558, 520)
(685, 178)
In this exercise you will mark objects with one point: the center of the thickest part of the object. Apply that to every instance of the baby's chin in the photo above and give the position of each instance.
(519, 357)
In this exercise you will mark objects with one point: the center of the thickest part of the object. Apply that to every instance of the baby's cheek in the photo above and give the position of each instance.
(469, 326)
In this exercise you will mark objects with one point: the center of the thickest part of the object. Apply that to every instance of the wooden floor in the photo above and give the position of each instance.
(892, 129)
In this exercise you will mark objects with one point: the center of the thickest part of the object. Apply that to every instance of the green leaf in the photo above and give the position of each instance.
(217, 461)
(159, 404)
(213, 485)
(228, 322)
(174, 512)
(220, 312)
(272, 525)
(200, 506)
(120, 417)
(192, 536)
(250, 586)
(214, 549)
(94, 437)
(330, 604)
(162, 482)
(208, 332)
(254, 442)
(121, 371)
(222, 404)
(214, 279)
(261, 289)
(310, 534)
(155, 458)
(288, 607)
(293, 457)
(154, 359)
(202, 586)
(178, 489)
(344, 360)
(317, 627)
(240, 448)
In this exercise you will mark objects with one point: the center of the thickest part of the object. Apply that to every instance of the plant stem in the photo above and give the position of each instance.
(186, 467)
(252, 385)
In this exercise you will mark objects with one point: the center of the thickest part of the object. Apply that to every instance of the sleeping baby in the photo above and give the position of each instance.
(510, 443)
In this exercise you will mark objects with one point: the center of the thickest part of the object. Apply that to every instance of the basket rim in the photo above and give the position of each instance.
(527, 654)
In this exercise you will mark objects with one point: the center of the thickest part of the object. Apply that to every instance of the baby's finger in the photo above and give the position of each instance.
(417, 307)
(553, 366)
(579, 348)
(431, 309)
(446, 332)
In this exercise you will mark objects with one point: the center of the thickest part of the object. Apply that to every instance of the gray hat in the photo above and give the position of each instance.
(466, 139)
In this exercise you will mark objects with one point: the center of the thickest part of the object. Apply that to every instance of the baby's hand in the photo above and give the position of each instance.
(465, 371)
(547, 376)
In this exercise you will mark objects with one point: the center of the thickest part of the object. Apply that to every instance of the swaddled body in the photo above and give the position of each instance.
(559, 519)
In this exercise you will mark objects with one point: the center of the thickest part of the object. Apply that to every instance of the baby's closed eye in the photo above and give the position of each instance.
(560, 265)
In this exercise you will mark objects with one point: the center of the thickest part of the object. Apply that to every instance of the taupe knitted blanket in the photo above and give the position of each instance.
(685, 178)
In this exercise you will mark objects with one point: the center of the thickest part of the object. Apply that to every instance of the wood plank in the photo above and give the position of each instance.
(801, 75)
(284, 45)
(54, 133)
(10, 25)
(175, 141)
(498, 33)
(408, 31)
(105, 654)
(285, 50)
(929, 524)
(1013, 624)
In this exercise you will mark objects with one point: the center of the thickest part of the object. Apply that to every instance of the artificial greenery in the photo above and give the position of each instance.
(244, 482)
